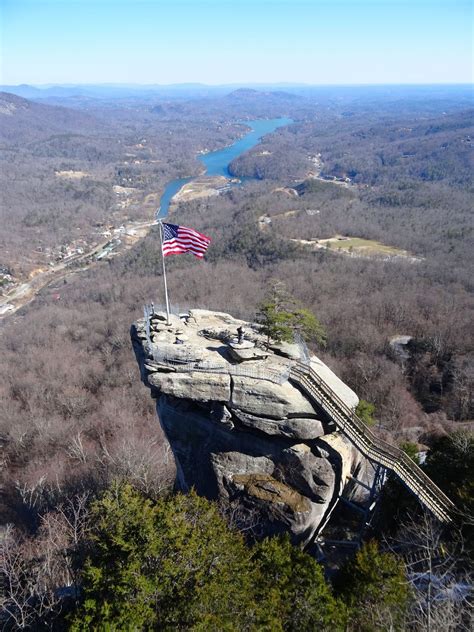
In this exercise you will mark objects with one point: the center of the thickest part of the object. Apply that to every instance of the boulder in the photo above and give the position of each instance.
(267, 488)
(240, 436)
(287, 349)
(168, 350)
(312, 474)
(262, 397)
(195, 386)
(297, 428)
(267, 492)
(248, 483)
(249, 352)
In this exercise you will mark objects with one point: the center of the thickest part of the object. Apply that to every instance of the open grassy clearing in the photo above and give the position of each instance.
(356, 246)
(361, 246)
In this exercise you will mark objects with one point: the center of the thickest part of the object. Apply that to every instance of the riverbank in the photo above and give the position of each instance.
(202, 187)
(216, 163)
(215, 180)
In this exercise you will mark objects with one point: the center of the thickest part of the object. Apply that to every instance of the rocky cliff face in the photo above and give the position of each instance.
(240, 429)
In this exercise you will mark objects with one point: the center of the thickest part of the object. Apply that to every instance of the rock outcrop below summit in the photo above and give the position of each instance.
(240, 429)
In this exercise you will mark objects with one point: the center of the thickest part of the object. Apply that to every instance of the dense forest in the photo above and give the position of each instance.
(92, 533)
(66, 174)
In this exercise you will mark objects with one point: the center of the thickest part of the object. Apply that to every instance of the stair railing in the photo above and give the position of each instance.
(372, 446)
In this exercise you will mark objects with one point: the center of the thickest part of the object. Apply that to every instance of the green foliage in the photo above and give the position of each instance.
(280, 317)
(169, 565)
(175, 565)
(275, 324)
(306, 323)
(294, 591)
(365, 410)
(375, 589)
(411, 449)
(450, 463)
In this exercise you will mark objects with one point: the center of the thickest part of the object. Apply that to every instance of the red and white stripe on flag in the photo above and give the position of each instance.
(179, 239)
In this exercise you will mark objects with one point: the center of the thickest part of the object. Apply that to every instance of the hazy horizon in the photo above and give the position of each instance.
(243, 84)
(216, 43)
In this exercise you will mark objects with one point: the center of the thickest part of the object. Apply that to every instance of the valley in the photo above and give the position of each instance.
(236, 309)
(384, 257)
(17, 295)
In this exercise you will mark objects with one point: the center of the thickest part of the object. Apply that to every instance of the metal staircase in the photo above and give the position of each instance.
(370, 445)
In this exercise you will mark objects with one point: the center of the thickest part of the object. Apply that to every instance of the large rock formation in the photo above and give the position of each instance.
(241, 431)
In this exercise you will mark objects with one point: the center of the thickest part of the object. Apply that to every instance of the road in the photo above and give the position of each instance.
(24, 293)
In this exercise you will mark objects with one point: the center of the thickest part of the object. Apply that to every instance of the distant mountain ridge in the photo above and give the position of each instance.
(100, 91)
(24, 120)
(248, 94)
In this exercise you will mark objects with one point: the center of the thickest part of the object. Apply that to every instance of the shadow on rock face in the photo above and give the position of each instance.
(240, 435)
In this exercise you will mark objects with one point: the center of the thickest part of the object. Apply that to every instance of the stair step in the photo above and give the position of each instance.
(352, 427)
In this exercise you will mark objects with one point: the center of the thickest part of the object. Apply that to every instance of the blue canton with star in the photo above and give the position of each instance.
(170, 231)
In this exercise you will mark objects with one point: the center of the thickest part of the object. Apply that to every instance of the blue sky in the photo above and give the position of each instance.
(240, 41)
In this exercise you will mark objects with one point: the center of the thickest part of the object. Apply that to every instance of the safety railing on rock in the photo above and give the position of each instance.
(370, 445)
(254, 372)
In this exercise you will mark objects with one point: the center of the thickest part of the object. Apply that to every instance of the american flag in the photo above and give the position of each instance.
(179, 239)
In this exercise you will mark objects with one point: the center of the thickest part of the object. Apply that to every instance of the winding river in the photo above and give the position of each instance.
(217, 162)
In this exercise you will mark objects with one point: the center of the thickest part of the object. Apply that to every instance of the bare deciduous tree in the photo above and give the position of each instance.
(439, 573)
(147, 464)
(38, 572)
(28, 576)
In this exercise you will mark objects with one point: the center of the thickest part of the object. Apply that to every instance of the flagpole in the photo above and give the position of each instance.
(164, 275)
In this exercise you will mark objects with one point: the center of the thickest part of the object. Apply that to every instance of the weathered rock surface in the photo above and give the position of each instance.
(196, 386)
(267, 398)
(243, 354)
(295, 428)
(240, 431)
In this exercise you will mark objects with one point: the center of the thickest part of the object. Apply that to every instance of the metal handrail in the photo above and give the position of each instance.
(372, 446)
(380, 450)
(256, 373)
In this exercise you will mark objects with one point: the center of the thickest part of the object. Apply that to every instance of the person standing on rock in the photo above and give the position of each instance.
(240, 334)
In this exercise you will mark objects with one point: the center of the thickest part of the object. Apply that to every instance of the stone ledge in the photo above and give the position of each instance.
(195, 386)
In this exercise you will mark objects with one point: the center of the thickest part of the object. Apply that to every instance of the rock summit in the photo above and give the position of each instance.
(240, 429)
